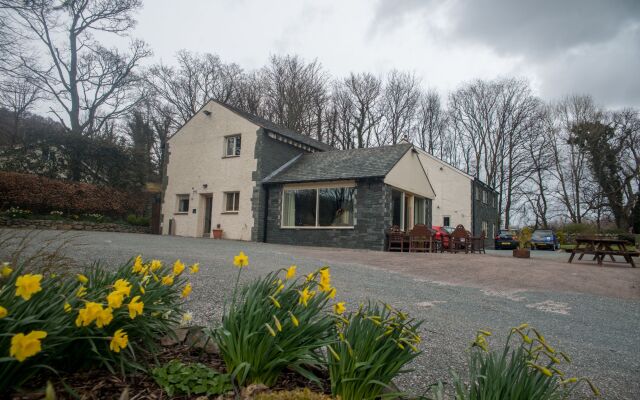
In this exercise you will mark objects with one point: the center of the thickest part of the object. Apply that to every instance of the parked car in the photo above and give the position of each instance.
(442, 234)
(506, 239)
(544, 239)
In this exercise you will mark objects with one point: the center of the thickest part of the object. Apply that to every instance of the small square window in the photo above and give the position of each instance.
(446, 221)
(183, 203)
(232, 201)
(232, 146)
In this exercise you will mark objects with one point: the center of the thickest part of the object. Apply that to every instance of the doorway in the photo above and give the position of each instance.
(208, 207)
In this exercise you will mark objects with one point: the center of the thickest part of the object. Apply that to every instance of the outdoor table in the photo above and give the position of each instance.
(602, 247)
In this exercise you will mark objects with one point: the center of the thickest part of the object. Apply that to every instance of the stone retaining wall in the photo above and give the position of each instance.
(69, 225)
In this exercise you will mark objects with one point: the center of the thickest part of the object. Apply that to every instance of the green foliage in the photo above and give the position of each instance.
(178, 378)
(55, 309)
(268, 330)
(299, 394)
(375, 343)
(524, 237)
(528, 370)
(579, 229)
(135, 220)
(95, 217)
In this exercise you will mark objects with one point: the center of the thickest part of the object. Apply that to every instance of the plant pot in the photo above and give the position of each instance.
(521, 253)
(217, 233)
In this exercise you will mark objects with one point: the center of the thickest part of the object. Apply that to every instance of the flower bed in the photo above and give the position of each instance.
(280, 331)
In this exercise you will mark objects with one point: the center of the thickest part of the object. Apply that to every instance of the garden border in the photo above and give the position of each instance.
(71, 225)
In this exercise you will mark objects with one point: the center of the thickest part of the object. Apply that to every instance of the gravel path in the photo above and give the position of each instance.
(599, 328)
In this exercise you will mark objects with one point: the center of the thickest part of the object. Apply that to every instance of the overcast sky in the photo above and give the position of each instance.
(561, 46)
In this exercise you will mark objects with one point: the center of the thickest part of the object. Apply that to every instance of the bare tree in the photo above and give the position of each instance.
(18, 95)
(431, 123)
(90, 84)
(399, 104)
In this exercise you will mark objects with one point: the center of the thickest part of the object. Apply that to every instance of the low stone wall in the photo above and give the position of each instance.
(69, 225)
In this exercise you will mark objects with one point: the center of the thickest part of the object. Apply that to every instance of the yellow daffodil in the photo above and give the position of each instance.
(3, 312)
(115, 299)
(27, 285)
(178, 267)
(155, 265)
(339, 308)
(104, 317)
(122, 286)
(270, 329)
(138, 265)
(277, 323)
(24, 346)
(241, 260)
(194, 269)
(311, 276)
(275, 302)
(325, 280)
(67, 307)
(291, 272)
(186, 291)
(82, 278)
(294, 320)
(332, 293)
(6, 270)
(279, 286)
(167, 280)
(88, 314)
(81, 292)
(186, 318)
(142, 289)
(305, 295)
(119, 341)
(135, 307)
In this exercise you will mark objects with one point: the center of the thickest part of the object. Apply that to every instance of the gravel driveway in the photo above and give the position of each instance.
(591, 312)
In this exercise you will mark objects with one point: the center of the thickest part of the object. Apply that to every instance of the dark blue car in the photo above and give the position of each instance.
(544, 239)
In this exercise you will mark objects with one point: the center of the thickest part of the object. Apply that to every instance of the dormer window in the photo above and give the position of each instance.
(232, 146)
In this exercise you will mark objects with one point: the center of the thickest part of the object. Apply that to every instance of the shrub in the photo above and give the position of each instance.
(56, 215)
(95, 217)
(524, 238)
(579, 229)
(133, 219)
(274, 325)
(97, 318)
(375, 343)
(42, 195)
(17, 213)
(178, 378)
(523, 371)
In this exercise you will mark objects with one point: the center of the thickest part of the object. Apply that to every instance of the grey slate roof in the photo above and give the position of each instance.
(270, 126)
(342, 164)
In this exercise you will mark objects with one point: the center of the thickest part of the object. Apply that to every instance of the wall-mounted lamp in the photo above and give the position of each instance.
(440, 168)
(204, 185)
(207, 113)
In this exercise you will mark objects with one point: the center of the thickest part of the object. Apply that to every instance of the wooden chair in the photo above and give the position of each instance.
(459, 240)
(420, 239)
(477, 243)
(395, 239)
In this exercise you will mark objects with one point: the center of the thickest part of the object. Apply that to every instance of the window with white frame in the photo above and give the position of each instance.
(231, 201)
(419, 210)
(318, 207)
(183, 203)
(484, 196)
(485, 227)
(232, 146)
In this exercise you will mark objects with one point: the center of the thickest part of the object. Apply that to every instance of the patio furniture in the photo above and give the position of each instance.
(459, 240)
(420, 239)
(602, 247)
(395, 239)
(477, 243)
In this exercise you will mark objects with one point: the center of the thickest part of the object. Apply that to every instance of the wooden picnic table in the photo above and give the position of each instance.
(601, 248)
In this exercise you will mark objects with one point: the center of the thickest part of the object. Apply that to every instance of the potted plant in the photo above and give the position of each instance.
(523, 244)
(217, 233)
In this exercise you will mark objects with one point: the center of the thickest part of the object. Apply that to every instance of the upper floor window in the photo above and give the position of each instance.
(232, 201)
(484, 197)
(183, 203)
(232, 146)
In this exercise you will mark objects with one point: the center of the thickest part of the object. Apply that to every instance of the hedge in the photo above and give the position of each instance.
(42, 195)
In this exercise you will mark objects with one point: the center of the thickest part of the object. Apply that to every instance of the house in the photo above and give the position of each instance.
(257, 181)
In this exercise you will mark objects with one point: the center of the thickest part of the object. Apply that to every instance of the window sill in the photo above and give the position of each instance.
(317, 227)
(229, 212)
(231, 156)
(181, 213)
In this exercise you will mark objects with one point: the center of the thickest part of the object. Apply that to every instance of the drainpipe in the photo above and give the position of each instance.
(266, 213)
(473, 207)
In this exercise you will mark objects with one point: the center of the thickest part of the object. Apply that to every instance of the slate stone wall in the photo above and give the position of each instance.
(271, 154)
(372, 216)
(71, 226)
(484, 211)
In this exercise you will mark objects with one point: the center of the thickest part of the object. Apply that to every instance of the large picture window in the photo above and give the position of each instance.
(318, 207)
